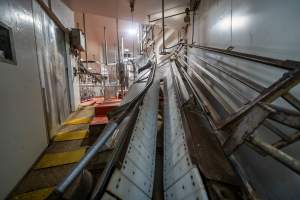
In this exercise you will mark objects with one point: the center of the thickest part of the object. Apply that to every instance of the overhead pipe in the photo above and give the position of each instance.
(169, 16)
(131, 11)
(85, 40)
(163, 23)
(118, 41)
(105, 47)
(122, 47)
(277, 154)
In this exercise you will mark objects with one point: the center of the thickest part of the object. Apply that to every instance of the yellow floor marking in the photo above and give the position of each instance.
(56, 159)
(75, 121)
(40, 194)
(71, 135)
(88, 110)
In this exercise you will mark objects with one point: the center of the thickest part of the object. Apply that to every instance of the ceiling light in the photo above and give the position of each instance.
(132, 31)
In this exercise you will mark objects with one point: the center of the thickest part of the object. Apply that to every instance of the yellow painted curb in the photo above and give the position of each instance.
(78, 121)
(40, 194)
(71, 135)
(57, 159)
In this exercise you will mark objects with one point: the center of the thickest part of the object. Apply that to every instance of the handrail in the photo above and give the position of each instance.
(284, 64)
(293, 68)
(100, 142)
(81, 67)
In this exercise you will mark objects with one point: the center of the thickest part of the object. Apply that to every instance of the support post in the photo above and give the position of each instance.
(163, 23)
(85, 40)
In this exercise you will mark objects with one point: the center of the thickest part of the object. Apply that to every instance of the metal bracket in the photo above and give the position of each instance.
(245, 128)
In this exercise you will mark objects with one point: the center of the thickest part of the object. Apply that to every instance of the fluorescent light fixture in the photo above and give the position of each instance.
(132, 31)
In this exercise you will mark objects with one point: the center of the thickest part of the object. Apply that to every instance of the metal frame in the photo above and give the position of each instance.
(12, 46)
(239, 127)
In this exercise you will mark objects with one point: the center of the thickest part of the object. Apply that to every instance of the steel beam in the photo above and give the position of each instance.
(277, 154)
(246, 127)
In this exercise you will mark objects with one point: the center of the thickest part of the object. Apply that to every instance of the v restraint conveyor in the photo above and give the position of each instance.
(130, 172)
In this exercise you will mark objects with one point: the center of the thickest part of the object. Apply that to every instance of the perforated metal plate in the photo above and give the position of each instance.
(189, 185)
(130, 169)
(178, 171)
(123, 188)
(181, 178)
(138, 167)
(145, 165)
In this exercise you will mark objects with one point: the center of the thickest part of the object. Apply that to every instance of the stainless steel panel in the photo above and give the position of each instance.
(135, 88)
(107, 196)
(189, 186)
(134, 173)
(263, 27)
(181, 178)
(175, 156)
(123, 188)
(178, 171)
(267, 27)
(139, 162)
(215, 16)
(50, 40)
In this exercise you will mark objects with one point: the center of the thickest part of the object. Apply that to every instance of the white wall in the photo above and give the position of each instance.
(23, 131)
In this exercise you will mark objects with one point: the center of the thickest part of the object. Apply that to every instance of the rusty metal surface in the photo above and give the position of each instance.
(283, 143)
(280, 87)
(245, 128)
(292, 100)
(205, 149)
(217, 25)
(235, 129)
(286, 117)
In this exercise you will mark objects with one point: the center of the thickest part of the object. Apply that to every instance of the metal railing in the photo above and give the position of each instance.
(235, 126)
(123, 116)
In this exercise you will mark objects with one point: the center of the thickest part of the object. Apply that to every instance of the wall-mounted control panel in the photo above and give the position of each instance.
(77, 38)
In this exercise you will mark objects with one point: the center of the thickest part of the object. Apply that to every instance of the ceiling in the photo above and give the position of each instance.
(113, 8)
(103, 13)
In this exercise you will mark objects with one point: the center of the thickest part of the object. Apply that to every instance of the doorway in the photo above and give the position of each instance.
(52, 60)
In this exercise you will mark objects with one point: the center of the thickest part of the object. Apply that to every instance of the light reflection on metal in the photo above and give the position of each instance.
(252, 115)
(234, 22)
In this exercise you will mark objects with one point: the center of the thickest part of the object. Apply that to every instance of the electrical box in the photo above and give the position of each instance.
(77, 38)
